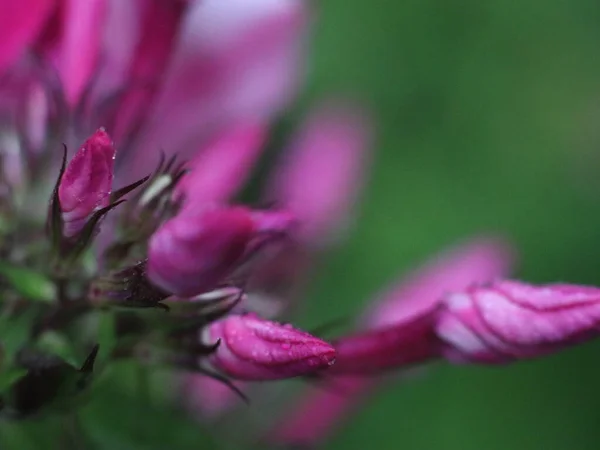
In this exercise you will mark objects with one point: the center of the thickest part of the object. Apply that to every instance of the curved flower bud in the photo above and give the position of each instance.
(86, 183)
(222, 166)
(508, 320)
(322, 173)
(191, 253)
(256, 349)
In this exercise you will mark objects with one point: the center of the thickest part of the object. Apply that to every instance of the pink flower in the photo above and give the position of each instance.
(509, 320)
(192, 253)
(256, 349)
(321, 174)
(87, 181)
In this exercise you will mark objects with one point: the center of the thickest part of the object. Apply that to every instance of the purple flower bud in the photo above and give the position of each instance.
(255, 349)
(191, 253)
(86, 183)
(398, 345)
(508, 320)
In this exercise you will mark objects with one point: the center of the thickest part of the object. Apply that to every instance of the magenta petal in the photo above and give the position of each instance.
(509, 320)
(86, 184)
(207, 398)
(159, 25)
(78, 47)
(191, 253)
(318, 412)
(236, 60)
(222, 167)
(256, 349)
(477, 260)
(20, 22)
(323, 171)
(397, 345)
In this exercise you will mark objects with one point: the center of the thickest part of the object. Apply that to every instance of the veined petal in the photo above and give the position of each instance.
(508, 320)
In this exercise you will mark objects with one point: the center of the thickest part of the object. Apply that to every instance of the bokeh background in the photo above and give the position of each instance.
(487, 119)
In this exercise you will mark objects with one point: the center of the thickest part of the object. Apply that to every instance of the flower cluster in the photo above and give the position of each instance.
(168, 104)
(137, 235)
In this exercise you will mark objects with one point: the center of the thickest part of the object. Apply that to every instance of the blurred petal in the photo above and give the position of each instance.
(478, 260)
(158, 30)
(20, 22)
(223, 165)
(207, 398)
(323, 171)
(237, 60)
(72, 41)
(318, 412)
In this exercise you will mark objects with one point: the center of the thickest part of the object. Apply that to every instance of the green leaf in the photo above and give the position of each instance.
(57, 344)
(8, 378)
(107, 338)
(28, 283)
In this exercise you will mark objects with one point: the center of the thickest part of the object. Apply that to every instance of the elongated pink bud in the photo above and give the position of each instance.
(508, 320)
(397, 330)
(222, 167)
(323, 171)
(401, 322)
(86, 183)
(191, 253)
(256, 349)
(374, 351)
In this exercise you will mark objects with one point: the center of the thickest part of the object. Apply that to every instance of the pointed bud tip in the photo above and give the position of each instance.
(86, 184)
(256, 349)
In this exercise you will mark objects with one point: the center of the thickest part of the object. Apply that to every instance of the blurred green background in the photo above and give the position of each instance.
(488, 119)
